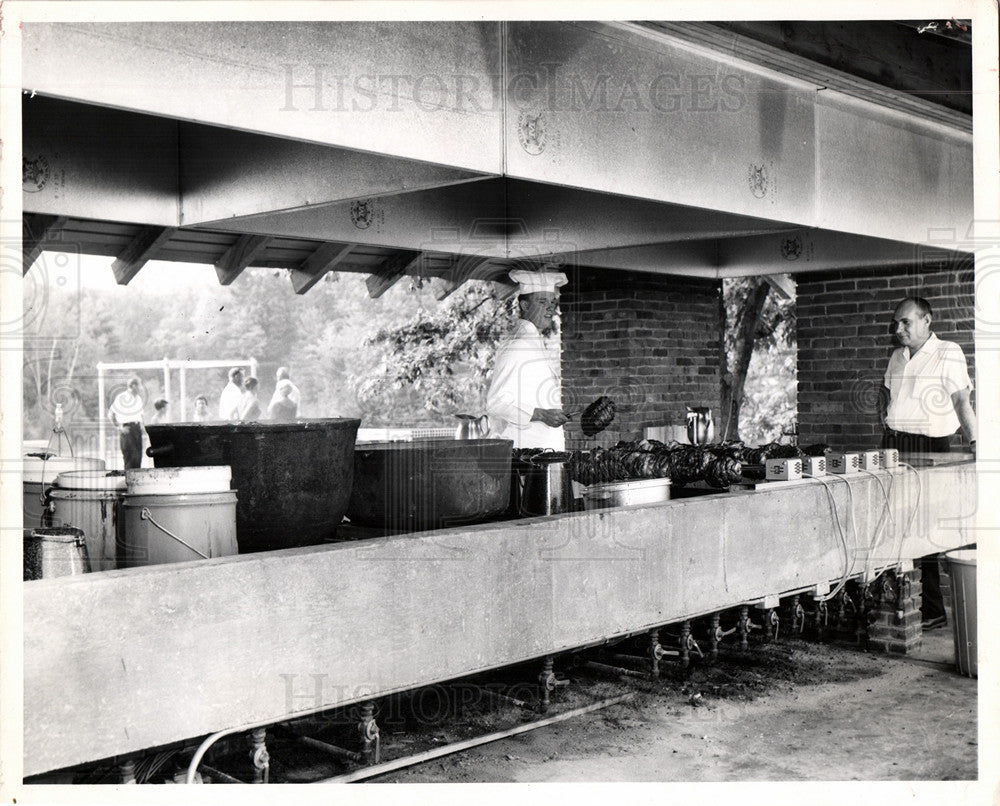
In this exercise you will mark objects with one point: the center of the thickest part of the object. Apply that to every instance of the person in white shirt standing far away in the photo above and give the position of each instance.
(232, 395)
(524, 400)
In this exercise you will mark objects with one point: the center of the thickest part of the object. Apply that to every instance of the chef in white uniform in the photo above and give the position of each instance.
(524, 401)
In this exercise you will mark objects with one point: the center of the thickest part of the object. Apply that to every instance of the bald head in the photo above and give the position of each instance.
(912, 322)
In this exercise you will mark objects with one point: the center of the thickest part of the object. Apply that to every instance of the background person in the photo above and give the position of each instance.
(125, 412)
(281, 406)
(201, 409)
(249, 404)
(232, 394)
(926, 398)
(281, 375)
(161, 412)
(524, 400)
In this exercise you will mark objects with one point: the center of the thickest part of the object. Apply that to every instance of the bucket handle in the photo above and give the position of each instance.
(146, 515)
(162, 450)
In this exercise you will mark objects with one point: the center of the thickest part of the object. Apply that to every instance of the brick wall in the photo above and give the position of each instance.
(650, 342)
(844, 342)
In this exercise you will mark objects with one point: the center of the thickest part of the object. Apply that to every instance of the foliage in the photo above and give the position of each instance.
(768, 407)
(442, 357)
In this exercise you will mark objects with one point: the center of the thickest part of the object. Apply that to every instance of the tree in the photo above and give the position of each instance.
(439, 358)
(759, 325)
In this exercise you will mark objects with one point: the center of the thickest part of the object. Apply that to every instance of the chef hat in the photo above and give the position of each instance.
(534, 282)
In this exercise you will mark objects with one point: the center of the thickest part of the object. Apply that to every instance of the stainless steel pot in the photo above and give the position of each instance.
(545, 486)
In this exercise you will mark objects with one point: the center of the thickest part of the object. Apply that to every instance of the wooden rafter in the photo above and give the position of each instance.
(316, 266)
(467, 267)
(389, 272)
(238, 256)
(142, 248)
(782, 284)
(35, 239)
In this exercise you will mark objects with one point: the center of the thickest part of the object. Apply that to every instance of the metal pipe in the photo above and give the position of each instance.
(456, 747)
(618, 670)
(506, 698)
(330, 749)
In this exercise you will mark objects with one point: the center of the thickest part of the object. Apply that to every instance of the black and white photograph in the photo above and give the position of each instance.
(497, 394)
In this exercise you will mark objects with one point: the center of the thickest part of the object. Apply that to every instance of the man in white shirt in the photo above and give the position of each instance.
(229, 400)
(925, 400)
(125, 412)
(524, 401)
(927, 386)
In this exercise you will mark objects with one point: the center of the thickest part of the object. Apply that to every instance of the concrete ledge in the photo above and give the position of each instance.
(125, 660)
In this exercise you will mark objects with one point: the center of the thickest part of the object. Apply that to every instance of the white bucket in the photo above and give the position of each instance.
(39, 472)
(178, 480)
(91, 500)
(177, 514)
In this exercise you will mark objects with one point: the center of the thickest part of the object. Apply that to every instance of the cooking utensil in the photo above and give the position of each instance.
(596, 417)
(431, 484)
(700, 426)
(293, 478)
(472, 427)
(545, 485)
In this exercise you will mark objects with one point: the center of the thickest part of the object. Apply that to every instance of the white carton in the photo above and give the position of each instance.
(888, 458)
(814, 466)
(783, 469)
(870, 460)
(843, 463)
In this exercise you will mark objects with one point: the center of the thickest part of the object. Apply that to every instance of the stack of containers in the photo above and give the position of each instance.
(39, 472)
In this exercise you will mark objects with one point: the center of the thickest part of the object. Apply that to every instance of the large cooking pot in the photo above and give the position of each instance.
(293, 479)
(430, 484)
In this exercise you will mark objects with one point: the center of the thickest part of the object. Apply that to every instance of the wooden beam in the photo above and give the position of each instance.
(314, 267)
(143, 248)
(240, 255)
(782, 284)
(467, 267)
(38, 233)
(390, 271)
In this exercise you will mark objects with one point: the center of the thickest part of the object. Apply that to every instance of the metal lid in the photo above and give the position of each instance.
(178, 480)
(91, 480)
(632, 484)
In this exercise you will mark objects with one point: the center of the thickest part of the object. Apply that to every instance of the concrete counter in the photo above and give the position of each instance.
(125, 660)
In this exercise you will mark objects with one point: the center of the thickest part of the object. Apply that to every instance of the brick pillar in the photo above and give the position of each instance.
(653, 343)
(895, 620)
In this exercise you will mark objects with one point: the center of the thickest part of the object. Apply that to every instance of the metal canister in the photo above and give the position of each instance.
(547, 488)
(55, 552)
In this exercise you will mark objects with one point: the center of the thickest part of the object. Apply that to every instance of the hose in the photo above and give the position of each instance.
(843, 537)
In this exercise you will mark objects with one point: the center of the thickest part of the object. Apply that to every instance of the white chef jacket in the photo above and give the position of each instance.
(229, 402)
(525, 377)
(920, 388)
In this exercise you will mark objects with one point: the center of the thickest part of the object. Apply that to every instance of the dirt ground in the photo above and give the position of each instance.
(794, 711)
